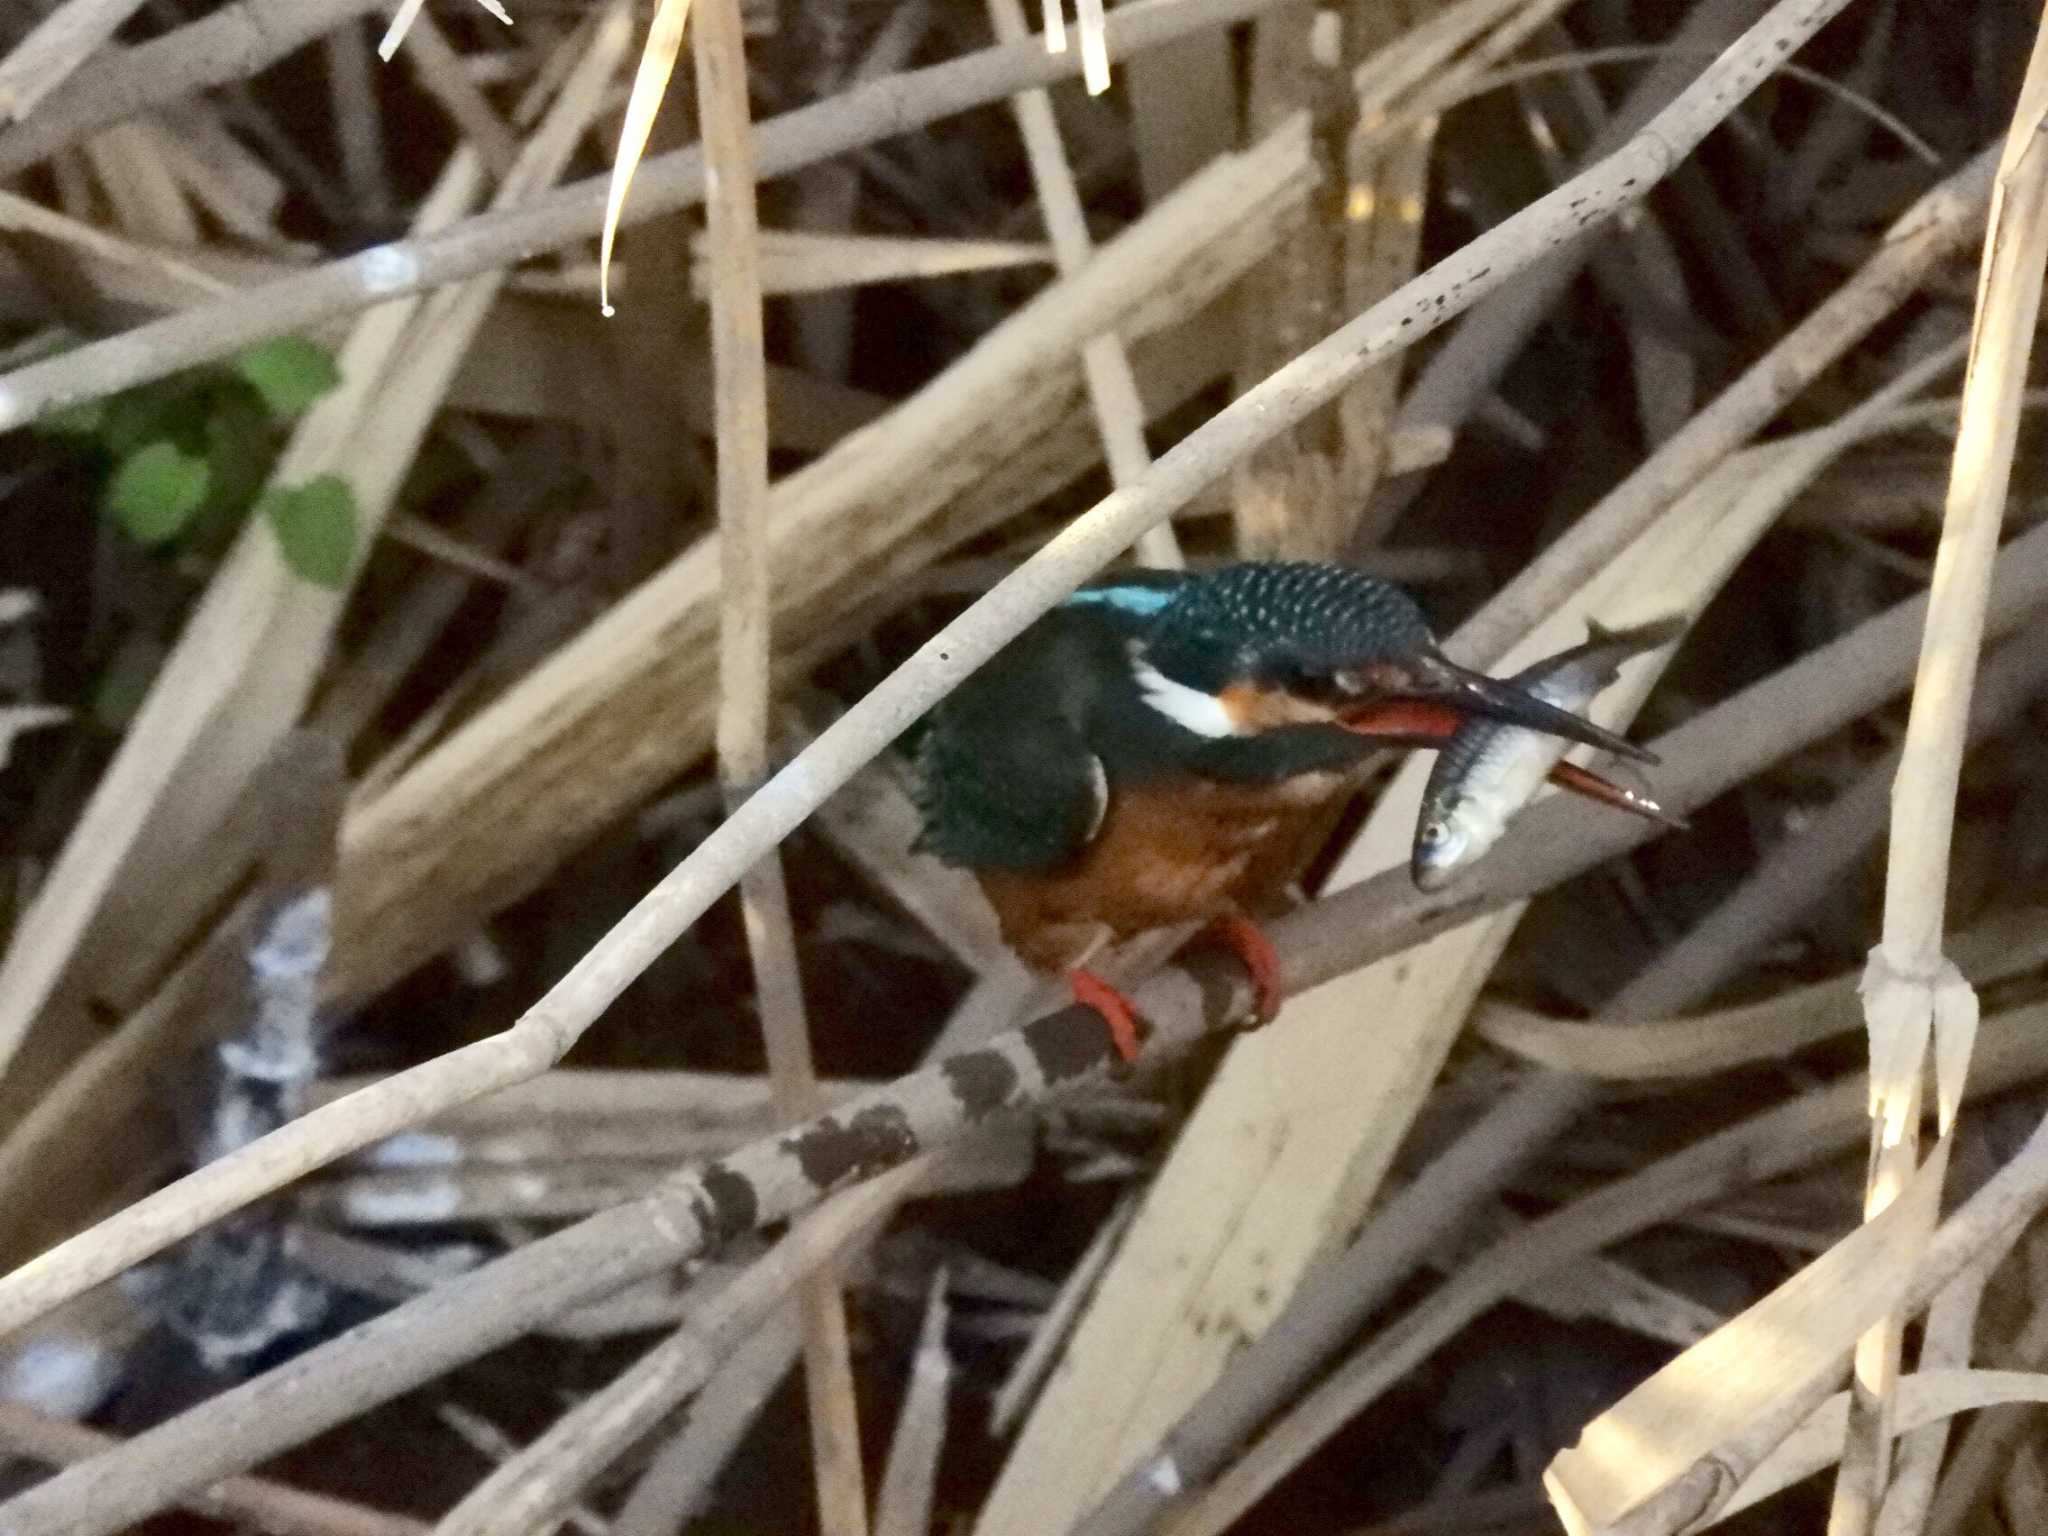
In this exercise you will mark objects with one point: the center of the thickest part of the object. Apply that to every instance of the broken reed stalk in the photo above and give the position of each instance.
(247, 1502)
(1912, 992)
(859, 117)
(59, 43)
(1467, 367)
(650, 84)
(1112, 386)
(1768, 1144)
(740, 408)
(1331, 1302)
(903, 1506)
(1945, 1344)
(1328, 1307)
(231, 43)
(1939, 225)
(552, 1025)
(532, 1490)
(782, 1175)
(1698, 1497)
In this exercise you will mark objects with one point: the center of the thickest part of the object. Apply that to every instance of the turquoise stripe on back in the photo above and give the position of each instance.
(1142, 601)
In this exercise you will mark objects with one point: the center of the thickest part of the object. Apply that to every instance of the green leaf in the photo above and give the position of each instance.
(316, 528)
(241, 445)
(290, 373)
(155, 491)
(143, 416)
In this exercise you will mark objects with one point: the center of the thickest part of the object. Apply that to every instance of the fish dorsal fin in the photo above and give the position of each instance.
(1637, 637)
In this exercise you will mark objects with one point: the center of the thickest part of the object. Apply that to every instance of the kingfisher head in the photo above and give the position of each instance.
(1268, 644)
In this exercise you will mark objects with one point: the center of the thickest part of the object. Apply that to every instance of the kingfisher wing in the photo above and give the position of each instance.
(1008, 779)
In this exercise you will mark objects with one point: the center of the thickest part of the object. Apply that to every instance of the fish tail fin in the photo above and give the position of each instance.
(1637, 637)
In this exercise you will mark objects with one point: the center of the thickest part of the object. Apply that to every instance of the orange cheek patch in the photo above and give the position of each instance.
(1252, 708)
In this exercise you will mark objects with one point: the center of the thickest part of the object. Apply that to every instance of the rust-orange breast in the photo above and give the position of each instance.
(1188, 853)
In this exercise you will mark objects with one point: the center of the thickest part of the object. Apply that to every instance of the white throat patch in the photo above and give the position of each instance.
(1189, 708)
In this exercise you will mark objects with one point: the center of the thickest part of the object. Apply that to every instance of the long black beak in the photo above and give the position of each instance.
(1435, 676)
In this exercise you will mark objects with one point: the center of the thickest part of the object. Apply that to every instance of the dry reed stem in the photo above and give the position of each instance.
(247, 661)
(251, 1503)
(1334, 1299)
(531, 1491)
(740, 393)
(1987, 1447)
(1779, 1348)
(190, 282)
(408, 13)
(470, 1315)
(1465, 370)
(442, 75)
(877, 110)
(1939, 225)
(1796, 874)
(1788, 1136)
(2012, 1197)
(1928, 1399)
(553, 1024)
(255, 640)
(903, 1506)
(1633, 1045)
(1673, 568)
(808, 261)
(1912, 993)
(1945, 1344)
(60, 42)
(231, 43)
(1036, 1360)
(1112, 386)
(650, 82)
(675, 1486)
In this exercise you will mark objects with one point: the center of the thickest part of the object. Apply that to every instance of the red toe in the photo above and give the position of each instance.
(1249, 943)
(1091, 991)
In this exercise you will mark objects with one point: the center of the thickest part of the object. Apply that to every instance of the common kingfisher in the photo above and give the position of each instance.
(1153, 750)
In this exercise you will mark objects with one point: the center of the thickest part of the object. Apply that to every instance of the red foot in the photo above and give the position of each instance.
(1091, 991)
(1250, 944)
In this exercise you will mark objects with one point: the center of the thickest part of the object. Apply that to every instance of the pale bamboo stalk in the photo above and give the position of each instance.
(1912, 993)
(764, 1183)
(250, 1503)
(1767, 1144)
(554, 1023)
(61, 42)
(528, 1494)
(740, 409)
(1112, 386)
(903, 1506)
(893, 105)
(1945, 1343)
(674, 1488)
(440, 69)
(1987, 1446)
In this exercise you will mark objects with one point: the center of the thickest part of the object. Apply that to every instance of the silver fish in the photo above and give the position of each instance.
(1487, 771)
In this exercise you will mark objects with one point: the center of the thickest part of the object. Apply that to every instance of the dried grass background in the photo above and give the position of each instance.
(560, 852)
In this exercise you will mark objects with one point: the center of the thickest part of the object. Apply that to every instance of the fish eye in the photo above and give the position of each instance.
(1436, 832)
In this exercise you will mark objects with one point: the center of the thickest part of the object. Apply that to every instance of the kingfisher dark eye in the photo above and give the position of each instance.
(1324, 687)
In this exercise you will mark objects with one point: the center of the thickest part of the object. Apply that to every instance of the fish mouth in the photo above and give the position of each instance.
(1432, 679)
